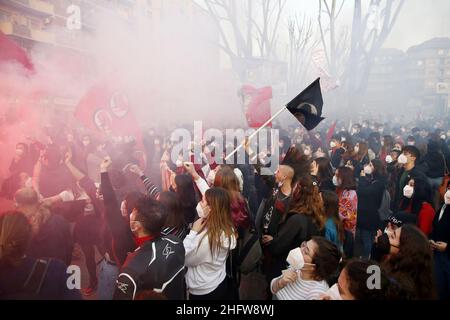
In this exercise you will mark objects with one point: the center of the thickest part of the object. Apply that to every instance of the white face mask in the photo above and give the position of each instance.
(368, 170)
(133, 227)
(202, 212)
(443, 137)
(408, 191)
(67, 196)
(447, 197)
(296, 260)
(356, 149)
(402, 159)
(387, 231)
(389, 159)
(29, 183)
(410, 143)
(336, 181)
(332, 144)
(19, 152)
(89, 209)
(86, 143)
(307, 152)
(334, 293)
(179, 163)
(123, 208)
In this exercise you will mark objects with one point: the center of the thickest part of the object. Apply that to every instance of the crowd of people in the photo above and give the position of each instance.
(344, 205)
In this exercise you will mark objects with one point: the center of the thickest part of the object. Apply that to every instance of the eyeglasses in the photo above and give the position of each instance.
(304, 247)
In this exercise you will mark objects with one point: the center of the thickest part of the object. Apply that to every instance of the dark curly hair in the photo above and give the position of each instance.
(358, 273)
(326, 258)
(413, 263)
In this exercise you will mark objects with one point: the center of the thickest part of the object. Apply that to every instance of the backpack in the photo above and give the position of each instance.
(32, 287)
(249, 249)
(384, 211)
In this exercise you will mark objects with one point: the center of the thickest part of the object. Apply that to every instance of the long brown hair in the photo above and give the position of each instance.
(227, 179)
(414, 262)
(306, 200)
(347, 179)
(348, 154)
(363, 151)
(171, 204)
(219, 220)
(331, 208)
(325, 171)
(15, 234)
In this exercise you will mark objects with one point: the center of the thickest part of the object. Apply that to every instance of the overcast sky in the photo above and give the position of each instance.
(420, 20)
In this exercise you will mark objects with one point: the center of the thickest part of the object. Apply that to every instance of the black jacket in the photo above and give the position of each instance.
(370, 194)
(54, 285)
(434, 164)
(441, 228)
(157, 265)
(122, 237)
(295, 229)
(336, 158)
(416, 172)
(53, 240)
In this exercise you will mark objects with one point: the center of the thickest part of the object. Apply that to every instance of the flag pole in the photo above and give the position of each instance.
(256, 132)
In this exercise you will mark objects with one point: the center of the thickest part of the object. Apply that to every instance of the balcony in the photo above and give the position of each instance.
(42, 36)
(15, 29)
(34, 7)
(6, 27)
(22, 31)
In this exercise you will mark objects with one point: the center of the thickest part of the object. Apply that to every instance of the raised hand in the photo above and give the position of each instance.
(105, 164)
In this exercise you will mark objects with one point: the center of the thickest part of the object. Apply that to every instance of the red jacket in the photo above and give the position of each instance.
(425, 218)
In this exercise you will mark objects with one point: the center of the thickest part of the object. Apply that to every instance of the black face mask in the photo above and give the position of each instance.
(381, 248)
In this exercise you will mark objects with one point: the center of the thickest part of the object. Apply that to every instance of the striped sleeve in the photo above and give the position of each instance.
(152, 190)
(302, 290)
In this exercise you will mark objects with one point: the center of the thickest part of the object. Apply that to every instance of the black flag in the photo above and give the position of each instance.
(307, 106)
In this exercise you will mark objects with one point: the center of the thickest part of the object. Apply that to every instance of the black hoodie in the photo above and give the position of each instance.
(433, 161)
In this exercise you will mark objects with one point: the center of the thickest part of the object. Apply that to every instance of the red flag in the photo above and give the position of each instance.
(256, 104)
(106, 110)
(330, 132)
(11, 51)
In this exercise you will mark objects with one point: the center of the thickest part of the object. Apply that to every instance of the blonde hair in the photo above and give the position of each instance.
(28, 202)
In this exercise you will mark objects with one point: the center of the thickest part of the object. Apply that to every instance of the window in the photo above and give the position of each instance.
(35, 24)
(419, 63)
(4, 16)
(431, 72)
(430, 84)
(432, 62)
(441, 52)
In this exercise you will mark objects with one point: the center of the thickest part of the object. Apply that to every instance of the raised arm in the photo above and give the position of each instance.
(76, 173)
(120, 231)
(152, 190)
(202, 185)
